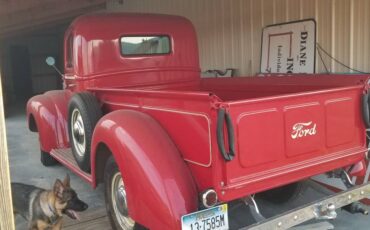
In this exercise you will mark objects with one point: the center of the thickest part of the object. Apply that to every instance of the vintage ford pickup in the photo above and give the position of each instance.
(173, 148)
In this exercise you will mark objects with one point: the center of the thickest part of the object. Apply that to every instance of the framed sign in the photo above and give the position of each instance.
(289, 47)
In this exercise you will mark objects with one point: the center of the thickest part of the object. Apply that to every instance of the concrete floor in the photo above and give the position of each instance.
(25, 167)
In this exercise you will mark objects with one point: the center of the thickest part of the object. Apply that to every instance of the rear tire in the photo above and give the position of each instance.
(115, 191)
(282, 194)
(47, 160)
(84, 112)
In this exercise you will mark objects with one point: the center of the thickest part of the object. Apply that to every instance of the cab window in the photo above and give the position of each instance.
(145, 45)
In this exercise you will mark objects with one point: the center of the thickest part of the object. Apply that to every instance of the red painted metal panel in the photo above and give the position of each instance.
(159, 186)
(254, 129)
(340, 128)
(50, 113)
(185, 127)
(97, 52)
(186, 117)
(304, 128)
(310, 154)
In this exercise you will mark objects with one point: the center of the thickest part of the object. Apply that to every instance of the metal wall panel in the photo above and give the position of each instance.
(229, 31)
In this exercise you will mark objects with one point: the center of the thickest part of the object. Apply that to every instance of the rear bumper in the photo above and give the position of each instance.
(313, 210)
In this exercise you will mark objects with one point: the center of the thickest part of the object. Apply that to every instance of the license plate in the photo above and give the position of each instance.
(215, 218)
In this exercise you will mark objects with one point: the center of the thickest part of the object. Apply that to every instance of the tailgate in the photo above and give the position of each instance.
(282, 139)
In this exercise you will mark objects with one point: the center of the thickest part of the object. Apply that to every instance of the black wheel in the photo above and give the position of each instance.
(115, 199)
(83, 114)
(47, 159)
(282, 194)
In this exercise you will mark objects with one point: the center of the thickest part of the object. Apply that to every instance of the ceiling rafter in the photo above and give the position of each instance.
(39, 12)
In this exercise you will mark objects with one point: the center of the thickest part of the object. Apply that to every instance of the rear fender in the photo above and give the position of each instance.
(49, 112)
(160, 188)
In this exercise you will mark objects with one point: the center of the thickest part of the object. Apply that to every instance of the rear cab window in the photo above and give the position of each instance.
(145, 45)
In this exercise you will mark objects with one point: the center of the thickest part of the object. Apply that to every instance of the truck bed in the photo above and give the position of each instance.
(240, 88)
(257, 87)
(286, 128)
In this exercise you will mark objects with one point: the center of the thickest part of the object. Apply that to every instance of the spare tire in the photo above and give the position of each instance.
(283, 194)
(84, 111)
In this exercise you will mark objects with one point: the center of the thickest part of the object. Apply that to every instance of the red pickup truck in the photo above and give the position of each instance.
(173, 148)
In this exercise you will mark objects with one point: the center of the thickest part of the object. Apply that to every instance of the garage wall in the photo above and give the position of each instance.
(229, 31)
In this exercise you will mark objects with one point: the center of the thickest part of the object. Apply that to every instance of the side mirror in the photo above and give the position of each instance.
(50, 61)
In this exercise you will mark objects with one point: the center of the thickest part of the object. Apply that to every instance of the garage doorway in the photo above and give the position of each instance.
(25, 72)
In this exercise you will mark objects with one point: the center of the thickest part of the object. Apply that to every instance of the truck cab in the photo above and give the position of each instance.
(102, 53)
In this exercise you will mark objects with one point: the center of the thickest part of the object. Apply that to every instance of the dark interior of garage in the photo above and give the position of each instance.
(23, 63)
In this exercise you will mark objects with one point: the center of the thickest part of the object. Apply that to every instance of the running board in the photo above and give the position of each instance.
(321, 209)
(66, 158)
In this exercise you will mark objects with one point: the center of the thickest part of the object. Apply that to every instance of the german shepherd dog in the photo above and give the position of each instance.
(44, 209)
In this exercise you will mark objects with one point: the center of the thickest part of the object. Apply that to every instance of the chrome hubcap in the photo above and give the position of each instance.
(78, 132)
(119, 202)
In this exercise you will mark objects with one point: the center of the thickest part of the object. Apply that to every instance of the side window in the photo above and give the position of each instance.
(145, 45)
(69, 51)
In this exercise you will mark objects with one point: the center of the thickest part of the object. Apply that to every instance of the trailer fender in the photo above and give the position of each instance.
(46, 114)
(160, 188)
(358, 170)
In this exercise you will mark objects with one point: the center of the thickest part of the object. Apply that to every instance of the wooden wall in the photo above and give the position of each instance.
(229, 31)
(6, 207)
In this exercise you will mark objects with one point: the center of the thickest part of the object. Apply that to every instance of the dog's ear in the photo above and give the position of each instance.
(66, 181)
(58, 188)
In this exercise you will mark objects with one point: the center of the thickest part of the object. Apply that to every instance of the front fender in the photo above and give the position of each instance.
(50, 113)
(160, 188)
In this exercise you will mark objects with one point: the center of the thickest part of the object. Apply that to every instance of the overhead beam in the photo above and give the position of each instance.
(12, 6)
(46, 13)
